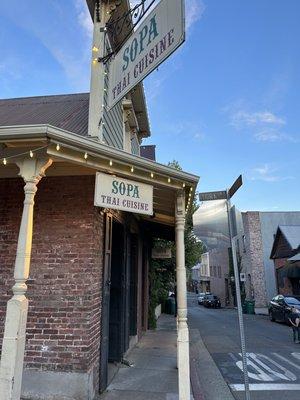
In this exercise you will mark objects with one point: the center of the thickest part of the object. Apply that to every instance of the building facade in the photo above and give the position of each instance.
(212, 275)
(255, 248)
(286, 256)
(82, 269)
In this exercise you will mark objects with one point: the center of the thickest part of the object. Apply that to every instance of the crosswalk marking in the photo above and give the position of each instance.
(239, 387)
(287, 361)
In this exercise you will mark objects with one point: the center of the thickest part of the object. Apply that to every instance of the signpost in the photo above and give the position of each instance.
(218, 196)
(158, 36)
(123, 194)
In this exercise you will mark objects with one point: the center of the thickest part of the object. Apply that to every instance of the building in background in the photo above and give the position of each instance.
(286, 255)
(255, 247)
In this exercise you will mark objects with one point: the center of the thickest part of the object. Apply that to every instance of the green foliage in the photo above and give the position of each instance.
(161, 278)
(162, 272)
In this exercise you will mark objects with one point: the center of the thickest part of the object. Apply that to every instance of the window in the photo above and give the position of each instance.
(244, 243)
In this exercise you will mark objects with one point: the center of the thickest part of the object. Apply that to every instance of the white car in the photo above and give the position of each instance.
(201, 298)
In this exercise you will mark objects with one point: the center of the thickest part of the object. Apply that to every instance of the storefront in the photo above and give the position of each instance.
(85, 266)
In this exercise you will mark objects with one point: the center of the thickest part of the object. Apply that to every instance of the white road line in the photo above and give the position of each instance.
(287, 361)
(239, 387)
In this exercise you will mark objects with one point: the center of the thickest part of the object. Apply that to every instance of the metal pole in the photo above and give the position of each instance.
(239, 304)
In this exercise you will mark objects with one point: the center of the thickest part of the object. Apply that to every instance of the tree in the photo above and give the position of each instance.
(162, 272)
(193, 246)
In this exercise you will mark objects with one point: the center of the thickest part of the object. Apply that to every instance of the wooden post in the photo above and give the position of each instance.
(183, 362)
(13, 347)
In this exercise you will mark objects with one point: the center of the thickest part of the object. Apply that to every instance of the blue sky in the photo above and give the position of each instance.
(227, 102)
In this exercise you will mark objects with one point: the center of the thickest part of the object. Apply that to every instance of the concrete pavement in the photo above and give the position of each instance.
(153, 375)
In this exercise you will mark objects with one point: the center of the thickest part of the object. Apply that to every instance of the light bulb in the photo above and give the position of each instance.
(4, 161)
(131, 169)
(31, 153)
(85, 156)
(183, 185)
(110, 163)
(57, 147)
(152, 175)
(169, 180)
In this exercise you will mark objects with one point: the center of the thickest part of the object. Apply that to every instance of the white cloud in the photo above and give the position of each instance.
(84, 17)
(273, 135)
(267, 173)
(263, 126)
(194, 10)
(242, 118)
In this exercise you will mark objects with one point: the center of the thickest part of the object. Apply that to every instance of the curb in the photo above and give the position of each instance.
(207, 381)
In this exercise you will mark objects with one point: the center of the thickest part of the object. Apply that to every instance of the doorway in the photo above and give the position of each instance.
(116, 303)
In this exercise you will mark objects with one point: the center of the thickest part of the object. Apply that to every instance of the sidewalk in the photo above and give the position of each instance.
(153, 375)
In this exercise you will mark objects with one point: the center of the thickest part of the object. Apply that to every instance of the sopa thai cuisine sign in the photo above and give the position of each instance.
(122, 194)
(161, 32)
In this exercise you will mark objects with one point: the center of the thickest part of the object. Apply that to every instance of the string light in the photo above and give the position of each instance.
(95, 60)
(110, 163)
(24, 153)
(57, 147)
(85, 156)
(95, 49)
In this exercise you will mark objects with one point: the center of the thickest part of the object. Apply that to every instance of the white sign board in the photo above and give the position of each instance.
(122, 194)
(161, 253)
(160, 33)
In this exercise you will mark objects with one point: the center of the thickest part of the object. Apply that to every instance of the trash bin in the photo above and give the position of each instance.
(244, 307)
(172, 306)
(168, 306)
(250, 306)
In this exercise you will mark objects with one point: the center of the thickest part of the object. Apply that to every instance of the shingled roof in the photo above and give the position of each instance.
(67, 111)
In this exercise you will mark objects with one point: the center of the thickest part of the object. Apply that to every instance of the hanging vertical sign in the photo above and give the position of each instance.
(158, 36)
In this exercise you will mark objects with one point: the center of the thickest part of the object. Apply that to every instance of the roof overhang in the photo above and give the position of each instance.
(69, 160)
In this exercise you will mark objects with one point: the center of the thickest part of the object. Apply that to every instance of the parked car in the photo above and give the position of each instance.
(210, 300)
(280, 307)
(201, 298)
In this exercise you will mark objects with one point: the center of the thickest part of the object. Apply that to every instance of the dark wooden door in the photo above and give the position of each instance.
(133, 285)
(126, 291)
(104, 348)
(117, 300)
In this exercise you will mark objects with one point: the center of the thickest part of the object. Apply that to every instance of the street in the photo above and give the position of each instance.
(273, 358)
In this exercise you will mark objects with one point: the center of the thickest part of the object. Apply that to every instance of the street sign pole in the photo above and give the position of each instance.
(226, 195)
(239, 303)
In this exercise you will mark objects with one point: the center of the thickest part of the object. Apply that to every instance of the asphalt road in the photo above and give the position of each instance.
(273, 358)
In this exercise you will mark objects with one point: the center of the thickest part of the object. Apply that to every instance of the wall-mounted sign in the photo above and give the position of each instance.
(161, 253)
(160, 33)
(122, 194)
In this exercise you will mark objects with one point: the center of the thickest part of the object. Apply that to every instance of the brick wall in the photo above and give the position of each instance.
(66, 270)
(252, 259)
